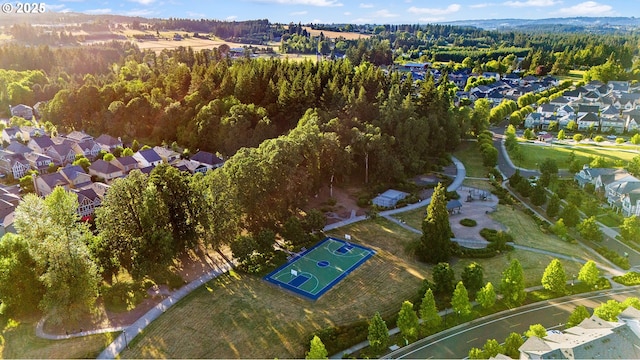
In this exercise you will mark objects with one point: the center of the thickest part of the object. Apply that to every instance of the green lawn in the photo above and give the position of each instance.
(470, 156)
(532, 155)
(574, 75)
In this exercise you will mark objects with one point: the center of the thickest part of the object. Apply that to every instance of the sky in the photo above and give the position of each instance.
(354, 12)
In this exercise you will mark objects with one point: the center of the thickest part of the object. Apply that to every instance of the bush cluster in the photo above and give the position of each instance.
(468, 222)
(628, 279)
(614, 257)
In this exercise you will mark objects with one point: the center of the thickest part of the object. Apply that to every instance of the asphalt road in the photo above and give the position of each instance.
(456, 342)
(504, 162)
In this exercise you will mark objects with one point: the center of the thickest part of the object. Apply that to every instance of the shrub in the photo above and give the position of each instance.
(628, 279)
(614, 257)
(468, 222)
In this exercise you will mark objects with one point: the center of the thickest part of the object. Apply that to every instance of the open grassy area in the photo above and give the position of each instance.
(573, 75)
(469, 154)
(19, 341)
(527, 233)
(243, 316)
(532, 155)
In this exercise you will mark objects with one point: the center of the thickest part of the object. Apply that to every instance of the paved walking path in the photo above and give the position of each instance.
(136, 328)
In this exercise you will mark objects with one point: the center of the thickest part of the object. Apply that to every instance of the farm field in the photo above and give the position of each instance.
(337, 34)
(532, 155)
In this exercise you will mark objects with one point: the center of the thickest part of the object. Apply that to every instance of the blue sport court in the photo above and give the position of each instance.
(315, 271)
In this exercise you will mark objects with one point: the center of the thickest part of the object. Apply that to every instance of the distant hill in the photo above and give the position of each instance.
(572, 24)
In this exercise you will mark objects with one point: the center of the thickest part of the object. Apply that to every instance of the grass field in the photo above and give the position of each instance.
(574, 75)
(19, 341)
(336, 34)
(469, 154)
(532, 155)
(244, 316)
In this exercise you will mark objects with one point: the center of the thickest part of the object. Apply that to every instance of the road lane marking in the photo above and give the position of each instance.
(472, 340)
(514, 325)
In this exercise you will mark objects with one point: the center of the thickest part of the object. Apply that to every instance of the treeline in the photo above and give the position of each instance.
(241, 31)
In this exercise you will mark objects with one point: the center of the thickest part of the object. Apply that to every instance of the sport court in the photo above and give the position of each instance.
(315, 271)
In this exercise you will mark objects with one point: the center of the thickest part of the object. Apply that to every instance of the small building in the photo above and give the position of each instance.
(389, 198)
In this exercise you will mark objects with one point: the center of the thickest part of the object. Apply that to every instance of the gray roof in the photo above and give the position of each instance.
(42, 141)
(104, 167)
(18, 148)
(150, 155)
(108, 140)
(127, 160)
(54, 179)
(206, 158)
(72, 171)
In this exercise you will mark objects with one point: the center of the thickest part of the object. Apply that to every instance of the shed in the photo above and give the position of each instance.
(454, 206)
(389, 198)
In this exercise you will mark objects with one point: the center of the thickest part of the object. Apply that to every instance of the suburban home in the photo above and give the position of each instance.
(75, 175)
(105, 170)
(88, 201)
(565, 110)
(546, 109)
(571, 95)
(190, 166)
(23, 111)
(627, 101)
(616, 190)
(126, 163)
(609, 112)
(633, 119)
(618, 86)
(78, 136)
(605, 179)
(87, 148)
(613, 124)
(592, 97)
(18, 148)
(45, 183)
(38, 162)
(207, 159)
(108, 143)
(62, 154)
(9, 200)
(587, 121)
(28, 132)
(589, 175)
(593, 338)
(15, 165)
(40, 144)
(148, 157)
(167, 155)
(583, 109)
(631, 203)
(533, 120)
(11, 134)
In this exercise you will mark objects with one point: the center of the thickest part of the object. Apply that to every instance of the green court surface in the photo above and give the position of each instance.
(314, 271)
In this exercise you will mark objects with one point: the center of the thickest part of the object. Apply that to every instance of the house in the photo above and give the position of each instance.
(86, 148)
(11, 134)
(9, 200)
(609, 112)
(78, 136)
(17, 148)
(560, 101)
(108, 143)
(414, 66)
(593, 338)
(614, 124)
(589, 175)
(88, 201)
(75, 175)
(565, 110)
(45, 183)
(126, 163)
(618, 86)
(207, 159)
(633, 119)
(148, 157)
(616, 190)
(23, 111)
(546, 109)
(588, 121)
(533, 120)
(572, 95)
(105, 170)
(389, 198)
(28, 132)
(62, 154)
(604, 179)
(15, 165)
(40, 144)
(167, 155)
(190, 166)
(38, 162)
(583, 109)
(631, 203)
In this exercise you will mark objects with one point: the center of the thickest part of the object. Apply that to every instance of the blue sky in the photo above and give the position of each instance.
(355, 12)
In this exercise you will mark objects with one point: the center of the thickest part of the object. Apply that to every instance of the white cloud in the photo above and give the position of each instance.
(57, 7)
(322, 3)
(231, 18)
(366, 6)
(588, 8)
(347, 13)
(431, 20)
(298, 13)
(98, 11)
(435, 11)
(480, 6)
(362, 21)
(532, 3)
(141, 12)
(143, 2)
(384, 14)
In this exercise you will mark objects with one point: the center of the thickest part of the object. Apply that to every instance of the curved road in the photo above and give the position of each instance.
(456, 342)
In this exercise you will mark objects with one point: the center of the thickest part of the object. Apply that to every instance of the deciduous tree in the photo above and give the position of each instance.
(589, 273)
(577, 316)
(554, 278)
(590, 230)
(511, 345)
(473, 277)
(317, 349)
(512, 284)
(408, 322)
(443, 278)
(536, 330)
(460, 301)
(431, 320)
(378, 334)
(486, 296)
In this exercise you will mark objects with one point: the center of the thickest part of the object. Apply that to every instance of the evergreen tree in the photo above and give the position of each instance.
(512, 284)
(443, 278)
(577, 315)
(473, 277)
(570, 215)
(408, 322)
(589, 273)
(486, 296)
(317, 349)
(538, 195)
(554, 278)
(460, 301)
(436, 230)
(431, 320)
(378, 335)
(553, 207)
